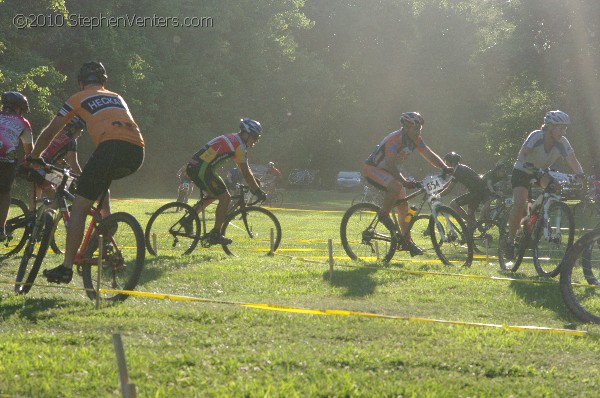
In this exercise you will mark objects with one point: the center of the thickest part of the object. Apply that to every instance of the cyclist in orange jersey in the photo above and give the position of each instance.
(119, 151)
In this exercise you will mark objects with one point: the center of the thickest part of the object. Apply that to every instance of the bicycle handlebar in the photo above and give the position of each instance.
(65, 171)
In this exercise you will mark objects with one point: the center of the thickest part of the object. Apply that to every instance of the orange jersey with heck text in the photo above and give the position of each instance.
(105, 114)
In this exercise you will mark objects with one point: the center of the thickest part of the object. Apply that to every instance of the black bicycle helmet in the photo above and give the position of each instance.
(11, 99)
(251, 127)
(452, 157)
(92, 72)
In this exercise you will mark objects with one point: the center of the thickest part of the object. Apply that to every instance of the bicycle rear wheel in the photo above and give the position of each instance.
(549, 250)
(487, 238)
(579, 277)
(364, 237)
(250, 229)
(34, 253)
(172, 230)
(450, 238)
(123, 256)
(16, 228)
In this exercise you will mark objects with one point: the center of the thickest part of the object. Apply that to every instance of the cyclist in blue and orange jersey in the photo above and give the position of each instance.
(202, 169)
(119, 151)
(382, 170)
(13, 128)
(541, 149)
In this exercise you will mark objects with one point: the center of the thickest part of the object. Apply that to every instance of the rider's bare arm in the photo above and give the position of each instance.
(248, 176)
(433, 158)
(572, 161)
(47, 135)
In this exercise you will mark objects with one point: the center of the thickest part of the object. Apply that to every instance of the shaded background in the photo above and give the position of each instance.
(327, 79)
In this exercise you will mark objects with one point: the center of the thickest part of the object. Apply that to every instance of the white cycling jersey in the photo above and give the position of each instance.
(538, 156)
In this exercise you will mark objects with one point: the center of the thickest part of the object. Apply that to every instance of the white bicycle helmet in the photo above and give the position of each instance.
(557, 117)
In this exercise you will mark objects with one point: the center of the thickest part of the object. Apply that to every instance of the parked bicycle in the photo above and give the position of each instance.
(580, 277)
(365, 238)
(548, 229)
(123, 251)
(303, 177)
(247, 225)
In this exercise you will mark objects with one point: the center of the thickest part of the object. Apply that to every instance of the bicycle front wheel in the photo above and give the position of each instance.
(123, 255)
(173, 230)
(553, 238)
(250, 228)
(15, 228)
(585, 214)
(579, 277)
(364, 237)
(34, 254)
(450, 238)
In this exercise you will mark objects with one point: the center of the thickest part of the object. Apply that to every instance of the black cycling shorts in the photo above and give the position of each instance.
(472, 198)
(112, 160)
(205, 178)
(7, 177)
(521, 179)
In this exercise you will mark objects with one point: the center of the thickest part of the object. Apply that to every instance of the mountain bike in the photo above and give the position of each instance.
(365, 238)
(123, 251)
(489, 230)
(369, 194)
(16, 228)
(587, 210)
(548, 229)
(580, 277)
(247, 225)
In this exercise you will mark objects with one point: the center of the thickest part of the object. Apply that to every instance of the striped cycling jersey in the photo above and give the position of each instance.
(538, 156)
(13, 128)
(105, 114)
(395, 144)
(221, 148)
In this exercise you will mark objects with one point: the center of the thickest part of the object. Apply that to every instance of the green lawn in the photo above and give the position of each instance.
(447, 331)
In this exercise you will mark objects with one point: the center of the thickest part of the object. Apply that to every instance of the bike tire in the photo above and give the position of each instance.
(547, 255)
(123, 261)
(249, 228)
(488, 236)
(59, 234)
(583, 300)
(586, 215)
(171, 237)
(34, 253)
(15, 228)
(450, 238)
(363, 237)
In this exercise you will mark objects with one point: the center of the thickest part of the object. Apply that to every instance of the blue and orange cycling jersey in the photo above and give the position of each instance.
(396, 144)
(221, 148)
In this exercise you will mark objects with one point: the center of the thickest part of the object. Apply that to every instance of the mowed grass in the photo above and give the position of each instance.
(446, 331)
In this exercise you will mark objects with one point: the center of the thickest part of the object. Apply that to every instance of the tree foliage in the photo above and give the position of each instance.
(327, 79)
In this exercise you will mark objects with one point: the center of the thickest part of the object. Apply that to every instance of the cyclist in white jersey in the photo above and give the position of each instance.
(541, 149)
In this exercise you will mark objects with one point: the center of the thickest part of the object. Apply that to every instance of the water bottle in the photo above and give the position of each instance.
(411, 213)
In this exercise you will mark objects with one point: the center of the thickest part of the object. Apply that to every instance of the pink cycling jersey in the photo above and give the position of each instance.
(12, 128)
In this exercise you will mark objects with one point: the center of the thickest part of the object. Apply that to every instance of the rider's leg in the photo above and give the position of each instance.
(518, 211)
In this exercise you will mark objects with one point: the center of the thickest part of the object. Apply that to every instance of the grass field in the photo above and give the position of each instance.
(410, 328)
